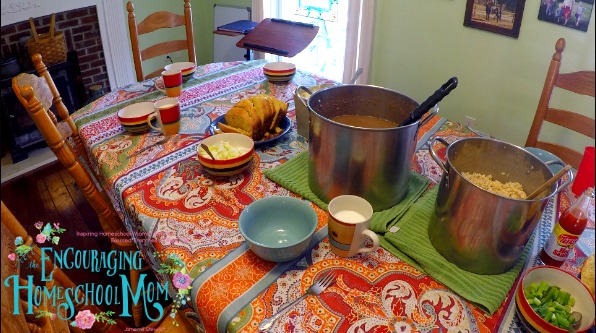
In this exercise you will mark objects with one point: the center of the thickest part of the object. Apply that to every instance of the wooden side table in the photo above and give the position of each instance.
(280, 37)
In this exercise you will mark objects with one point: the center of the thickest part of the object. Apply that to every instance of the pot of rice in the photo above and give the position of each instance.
(482, 221)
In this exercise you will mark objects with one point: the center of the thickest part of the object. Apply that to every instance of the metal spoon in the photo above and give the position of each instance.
(356, 75)
(204, 146)
(577, 321)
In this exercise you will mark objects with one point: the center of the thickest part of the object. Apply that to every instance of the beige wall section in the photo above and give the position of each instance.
(420, 44)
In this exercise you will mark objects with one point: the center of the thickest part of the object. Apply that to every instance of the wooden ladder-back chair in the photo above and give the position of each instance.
(153, 22)
(582, 83)
(59, 106)
(23, 321)
(47, 124)
(32, 323)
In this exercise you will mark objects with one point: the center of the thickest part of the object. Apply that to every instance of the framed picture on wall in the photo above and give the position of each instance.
(499, 16)
(568, 13)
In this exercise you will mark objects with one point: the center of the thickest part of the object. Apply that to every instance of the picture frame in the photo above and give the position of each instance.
(502, 17)
(567, 13)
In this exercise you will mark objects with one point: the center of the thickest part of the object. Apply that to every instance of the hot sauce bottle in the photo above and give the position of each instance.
(567, 230)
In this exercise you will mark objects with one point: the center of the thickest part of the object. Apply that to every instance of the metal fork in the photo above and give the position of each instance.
(162, 141)
(315, 289)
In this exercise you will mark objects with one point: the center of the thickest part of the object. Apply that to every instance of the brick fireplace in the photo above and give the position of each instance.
(96, 35)
(82, 34)
(112, 30)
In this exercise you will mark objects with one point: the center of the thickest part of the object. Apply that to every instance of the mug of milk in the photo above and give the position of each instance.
(348, 224)
(167, 113)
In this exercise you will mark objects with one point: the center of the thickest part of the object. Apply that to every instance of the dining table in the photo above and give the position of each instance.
(182, 218)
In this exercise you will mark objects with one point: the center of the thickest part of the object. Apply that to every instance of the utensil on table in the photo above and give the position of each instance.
(356, 75)
(435, 98)
(204, 146)
(162, 141)
(577, 321)
(317, 287)
(549, 182)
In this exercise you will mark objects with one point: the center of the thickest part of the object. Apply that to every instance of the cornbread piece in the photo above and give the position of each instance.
(587, 272)
(257, 117)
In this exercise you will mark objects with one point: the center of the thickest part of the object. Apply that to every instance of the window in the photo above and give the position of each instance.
(327, 54)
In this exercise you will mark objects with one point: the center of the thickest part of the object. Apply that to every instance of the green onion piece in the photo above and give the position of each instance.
(571, 302)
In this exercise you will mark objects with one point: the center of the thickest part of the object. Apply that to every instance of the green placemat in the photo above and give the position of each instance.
(486, 291)
(293, 175)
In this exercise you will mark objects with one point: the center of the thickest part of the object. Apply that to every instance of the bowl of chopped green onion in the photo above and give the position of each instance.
(231, 154)
(545, 298)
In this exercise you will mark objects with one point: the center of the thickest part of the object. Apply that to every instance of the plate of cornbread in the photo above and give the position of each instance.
(262, 118)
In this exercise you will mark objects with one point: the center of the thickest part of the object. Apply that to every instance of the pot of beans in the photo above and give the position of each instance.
(357, 145)
(482, 219)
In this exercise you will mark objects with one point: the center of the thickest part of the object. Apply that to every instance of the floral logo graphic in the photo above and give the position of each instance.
(84, 319)
(181, 280)
(47, 233)
(21, 251)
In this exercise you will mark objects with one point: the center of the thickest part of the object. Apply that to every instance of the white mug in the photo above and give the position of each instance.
(348, 225)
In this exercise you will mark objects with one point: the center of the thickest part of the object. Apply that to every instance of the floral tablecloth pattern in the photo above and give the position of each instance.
(163, 193)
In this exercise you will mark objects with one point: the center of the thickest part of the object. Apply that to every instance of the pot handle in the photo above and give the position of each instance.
(430, 115)
(434, 155)
(569, 175)
(302, 99)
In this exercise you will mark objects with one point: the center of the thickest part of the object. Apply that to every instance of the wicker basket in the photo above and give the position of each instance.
(51, 45)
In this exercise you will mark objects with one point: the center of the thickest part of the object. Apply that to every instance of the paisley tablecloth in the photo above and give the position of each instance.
(172, 208)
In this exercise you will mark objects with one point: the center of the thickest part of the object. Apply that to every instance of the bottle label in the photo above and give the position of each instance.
(560, 243)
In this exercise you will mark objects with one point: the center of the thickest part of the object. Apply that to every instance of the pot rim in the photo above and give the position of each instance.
(366, 86)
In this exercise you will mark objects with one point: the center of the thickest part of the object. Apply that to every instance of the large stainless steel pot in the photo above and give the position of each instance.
(373, 163)
(477, 230)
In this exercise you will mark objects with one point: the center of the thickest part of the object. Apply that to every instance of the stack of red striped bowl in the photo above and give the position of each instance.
(279, 72)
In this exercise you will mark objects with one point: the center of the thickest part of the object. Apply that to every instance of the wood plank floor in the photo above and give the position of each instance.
(49, 194)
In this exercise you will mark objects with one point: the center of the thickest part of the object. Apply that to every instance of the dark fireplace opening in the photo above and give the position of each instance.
(19, 132)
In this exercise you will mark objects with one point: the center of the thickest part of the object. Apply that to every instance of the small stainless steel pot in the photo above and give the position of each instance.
(475, 229)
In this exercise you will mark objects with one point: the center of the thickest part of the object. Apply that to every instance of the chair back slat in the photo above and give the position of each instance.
(156, 21)
(582, 83)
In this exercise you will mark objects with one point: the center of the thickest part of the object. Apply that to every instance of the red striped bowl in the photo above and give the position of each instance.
(187, 68)
(232, 166)
(279, 71)
(134, 117)
(584, 300)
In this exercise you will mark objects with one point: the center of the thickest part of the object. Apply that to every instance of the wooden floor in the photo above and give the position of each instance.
(50, 195)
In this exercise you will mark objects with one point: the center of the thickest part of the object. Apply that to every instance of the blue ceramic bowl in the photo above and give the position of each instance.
(554, 163)
(278, 228)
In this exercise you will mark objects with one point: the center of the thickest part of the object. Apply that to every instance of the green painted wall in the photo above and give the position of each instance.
(418, 45)
(202, 16)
